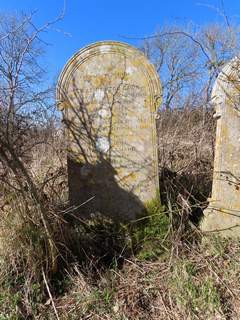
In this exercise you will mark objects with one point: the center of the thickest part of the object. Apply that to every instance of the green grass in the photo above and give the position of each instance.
(195, 295)
(150, 236)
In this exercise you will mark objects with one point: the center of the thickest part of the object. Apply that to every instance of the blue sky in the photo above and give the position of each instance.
(87, 21)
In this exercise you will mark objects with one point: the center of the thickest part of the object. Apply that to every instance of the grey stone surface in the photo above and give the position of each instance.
(223, 212)
(108, 93)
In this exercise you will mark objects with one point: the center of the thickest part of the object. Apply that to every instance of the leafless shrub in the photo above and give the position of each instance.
(186, 151)
(31, 228)
(188, 60)
(39, 235)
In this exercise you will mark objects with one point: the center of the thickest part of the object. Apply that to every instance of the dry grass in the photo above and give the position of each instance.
(159, 270)
(186, 153)
(186, 138)
(188, 283)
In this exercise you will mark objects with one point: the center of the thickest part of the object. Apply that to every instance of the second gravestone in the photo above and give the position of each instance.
(223, 212)
(108, 93)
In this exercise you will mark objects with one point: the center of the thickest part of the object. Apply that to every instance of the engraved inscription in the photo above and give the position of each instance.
(108, 92)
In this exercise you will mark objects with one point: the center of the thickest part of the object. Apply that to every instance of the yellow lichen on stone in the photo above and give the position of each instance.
(112, 124)
(223, 212)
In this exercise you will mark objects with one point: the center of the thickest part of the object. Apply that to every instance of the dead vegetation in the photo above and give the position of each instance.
(189, 283)
(56, 266)
(186, 152)
(155, 270)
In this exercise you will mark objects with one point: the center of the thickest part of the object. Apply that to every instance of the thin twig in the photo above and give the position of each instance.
(50, 295)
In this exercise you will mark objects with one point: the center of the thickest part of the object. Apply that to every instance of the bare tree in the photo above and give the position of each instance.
(189, 59)
(25, 104)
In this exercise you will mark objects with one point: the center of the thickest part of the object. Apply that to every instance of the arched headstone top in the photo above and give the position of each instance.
(101, 48)
(226, 89)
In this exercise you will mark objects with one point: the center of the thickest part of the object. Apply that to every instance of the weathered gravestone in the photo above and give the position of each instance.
(109, 93)
(223, 212)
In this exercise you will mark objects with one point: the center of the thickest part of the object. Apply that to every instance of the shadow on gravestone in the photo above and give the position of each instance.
(108, 93)
(109, 197)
